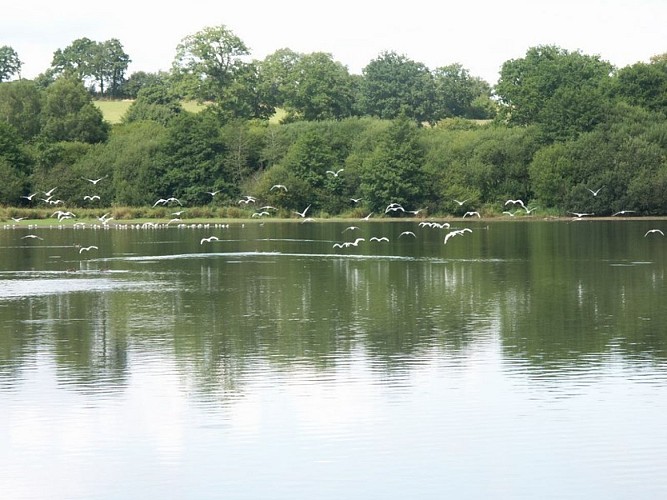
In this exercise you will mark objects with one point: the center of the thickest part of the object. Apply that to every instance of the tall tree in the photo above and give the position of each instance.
(539, 89)
(10, 64)
(394, 85)
(209, 66)
(108, 66)
(76, 59)
(459, 94)
(68, 114)
(394, 173)
(20, 106)
(319, 88)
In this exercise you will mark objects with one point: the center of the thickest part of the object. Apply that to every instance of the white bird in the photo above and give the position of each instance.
(382, 238)
(17, 219)
(49, 192)
(407, 233)
(161, 201)
(303, 214)
(209, 239)
(278, 186)
(213, 193)
(87, 249)
(91, 198)
(260, 214)
(471, 214)
(394, 207)
(169, 200)
(515, 202)
(30, 196)
(461, 202)
(367, 217)
(335, 174)
(178, 213)
(511, 214)
(347, 244)
(104, 218)
(622, 212)
(457, 232)
(350, 228)
(579, 215)
(95, 181)
(355, 200)
(653, 231)
(62, 215)
(32, 237)
(595, 193)
(529, 210)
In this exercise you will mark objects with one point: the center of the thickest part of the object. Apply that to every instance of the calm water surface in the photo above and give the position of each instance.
(522, 359)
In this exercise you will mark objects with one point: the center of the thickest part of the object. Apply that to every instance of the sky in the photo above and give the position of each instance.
(478, 34)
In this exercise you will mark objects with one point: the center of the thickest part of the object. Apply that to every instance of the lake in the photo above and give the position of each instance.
(521, 359)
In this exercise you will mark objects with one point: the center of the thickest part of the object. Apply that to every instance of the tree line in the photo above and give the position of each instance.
(557, 124)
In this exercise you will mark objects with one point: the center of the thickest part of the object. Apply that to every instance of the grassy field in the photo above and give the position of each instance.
(113, 111)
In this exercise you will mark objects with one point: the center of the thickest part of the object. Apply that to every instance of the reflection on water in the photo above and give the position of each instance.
(520, 360)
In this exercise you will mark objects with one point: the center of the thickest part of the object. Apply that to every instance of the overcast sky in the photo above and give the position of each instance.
(479, 34)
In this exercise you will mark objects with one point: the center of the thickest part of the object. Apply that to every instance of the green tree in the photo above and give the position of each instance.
(194, 155)
(14, 166)
(10, 64)
(319, 88)
(394, 85)
(643, 85)
(108, 66)
(75, 60)
(276, 72)
(20, 106)
(544, 86)
(456, 92)
(68, 114)
(393, 172)
(155, 101)
(140, 79)
(209, 65)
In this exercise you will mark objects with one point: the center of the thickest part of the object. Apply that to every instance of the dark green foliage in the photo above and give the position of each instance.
(393, 173)
(68, 114)
(155, 101)
(20, 106)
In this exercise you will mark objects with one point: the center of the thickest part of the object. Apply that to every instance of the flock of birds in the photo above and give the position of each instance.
(265, 211)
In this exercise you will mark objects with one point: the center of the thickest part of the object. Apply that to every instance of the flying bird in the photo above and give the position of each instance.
(595, 193)
(335, 174)
(91, 198)
(213, 193)
(653, 231)
(303, 214)
(95, 181)
(471, 214)
(209, 239)
(355, 200)
(515, 202)
(87, 249)
(32, 237)
(278, 186)
(407, 233)
(457, 232)
(29, 197)
(382, 238)
(622, 212)
(460, 203)
(49, 192)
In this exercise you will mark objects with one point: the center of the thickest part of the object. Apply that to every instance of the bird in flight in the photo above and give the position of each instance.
(209, 239)
(515, 202)
(457, 232)
(579, 215)
(367, 217)
(303, 214)
(87, 249)
(17, 219)
(460, 203)
(653, 231)
(381, 238)
(49, 192)
(278, 186)
(355, 200)
(95, 181)
(213, 193)
(32, 237)
(335, 174)
(91, 198)
(407, 233)
(350, 228)
(348, 243)
(622, 212)
(29, 197)
(471, 214)
(595, 193)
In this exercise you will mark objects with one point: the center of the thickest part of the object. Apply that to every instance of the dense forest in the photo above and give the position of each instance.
(555, 128)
